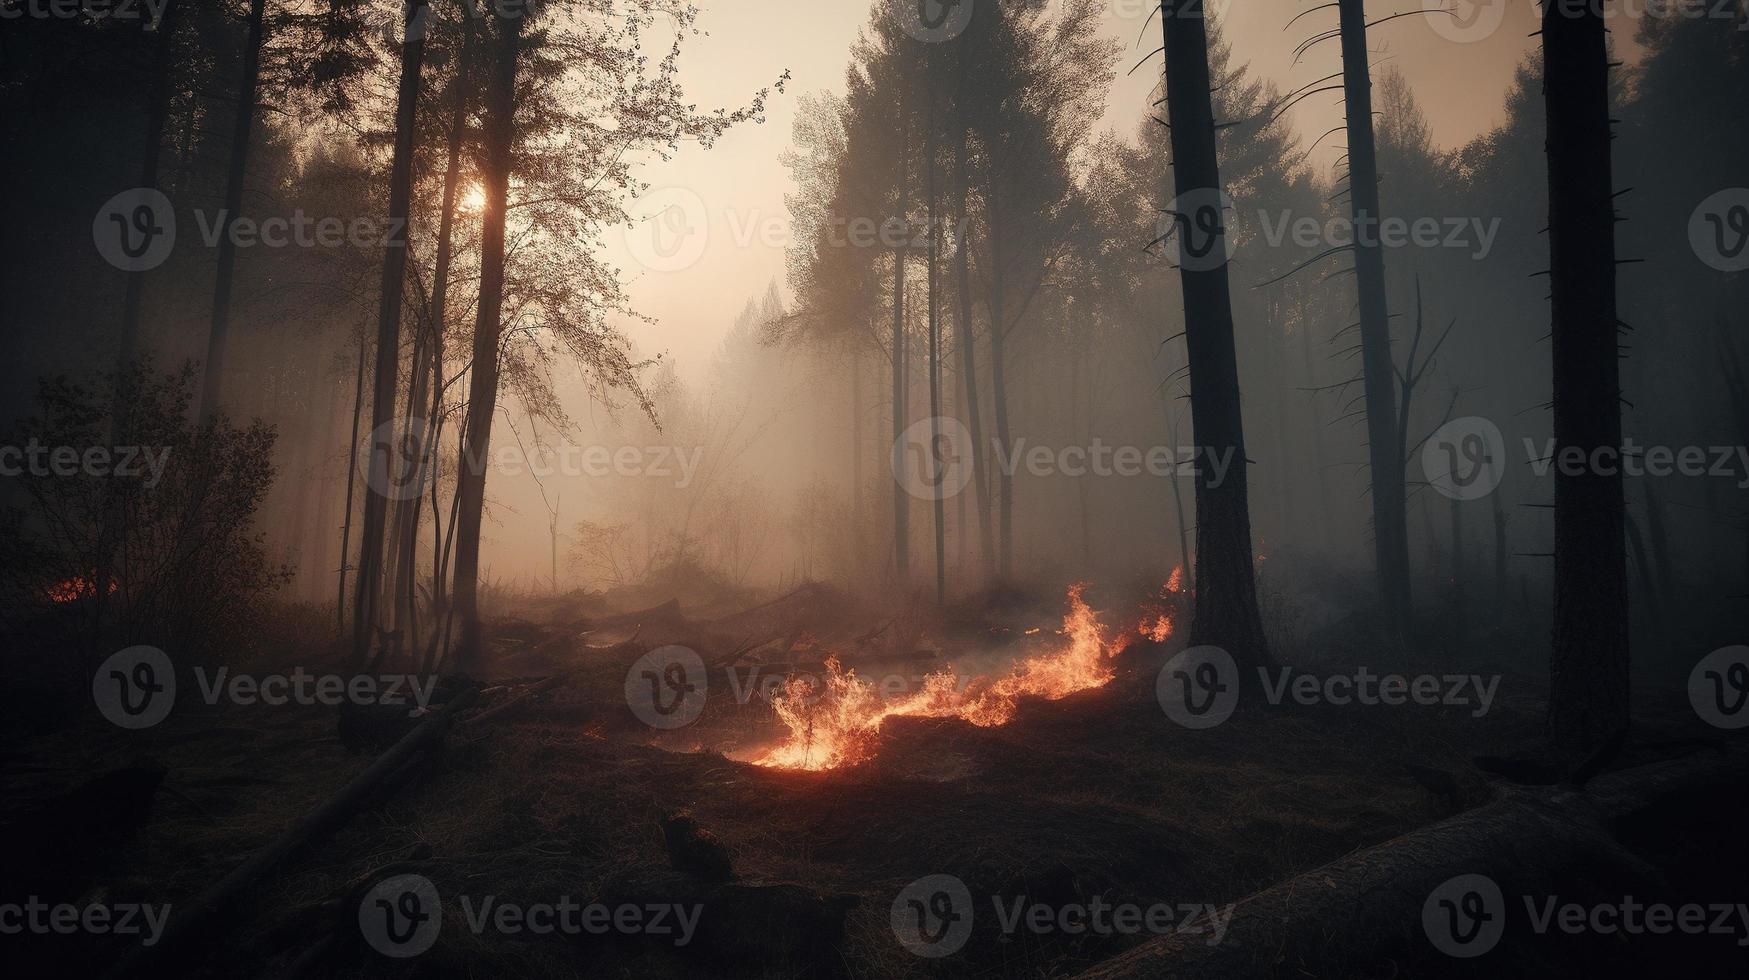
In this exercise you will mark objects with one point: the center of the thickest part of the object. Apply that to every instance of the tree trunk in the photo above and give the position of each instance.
(999, 387)
(1389, 510)
(1226, 587)
(212, 389)
(968, 347)
(158, 112)
(1500, 581)
(1588, 696)
(483, 384)
(351, 488)
(388, 354)
(935, 345)
(900, 453)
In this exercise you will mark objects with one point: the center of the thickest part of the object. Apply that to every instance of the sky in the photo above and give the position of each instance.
(723, 223)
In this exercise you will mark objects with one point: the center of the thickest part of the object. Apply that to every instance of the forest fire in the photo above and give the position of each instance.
(76, 588)
(839, 725)
(1156, 624)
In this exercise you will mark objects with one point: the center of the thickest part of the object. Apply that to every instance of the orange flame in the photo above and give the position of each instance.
(76, 588)
(839, 724)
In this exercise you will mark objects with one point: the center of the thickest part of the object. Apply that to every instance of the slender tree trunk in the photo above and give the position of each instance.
(158, 113)
(388, 353)
(1226, 588)
(1500, 581)
(1458, 620)
(242, 128)
(483, 384)
(999, 386)
(900, 453)
(967, 344)
(935, 344)
(1389, 511)
(1588, 695)
(351, 488)
(857, 540)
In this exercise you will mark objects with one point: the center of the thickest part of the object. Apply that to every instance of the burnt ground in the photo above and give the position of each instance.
(1096, 794)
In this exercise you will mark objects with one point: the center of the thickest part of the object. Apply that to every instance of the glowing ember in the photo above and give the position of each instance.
(74, 589)
(1175, 583)
(839, 724)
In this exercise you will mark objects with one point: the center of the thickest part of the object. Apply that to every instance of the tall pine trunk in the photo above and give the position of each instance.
(1226, 588)
(388, 353)
(968, 347)
(935, 344)
(242, 127)
(1389, 509)
(901, 453)
(999, 385)
(1588, 669)
(157, 114)
(500, 131)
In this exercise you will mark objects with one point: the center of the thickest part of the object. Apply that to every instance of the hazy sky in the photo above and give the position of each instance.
(737, 189)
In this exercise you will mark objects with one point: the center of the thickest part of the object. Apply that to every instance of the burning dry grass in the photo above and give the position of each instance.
(835, 721)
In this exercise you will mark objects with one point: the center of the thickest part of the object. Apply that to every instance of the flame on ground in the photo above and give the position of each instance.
(1156, 624)
(839, 725)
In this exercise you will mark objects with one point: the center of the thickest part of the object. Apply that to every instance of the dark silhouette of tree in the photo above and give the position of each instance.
(1588, 670)
(1226, 611)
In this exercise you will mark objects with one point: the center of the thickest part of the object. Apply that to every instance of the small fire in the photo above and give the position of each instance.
(76, 588)
(1156, 624)
(839, 724)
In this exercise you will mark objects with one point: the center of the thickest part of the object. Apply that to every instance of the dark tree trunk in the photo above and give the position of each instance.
(158, 112)
(242, 128)
(351, 488)
(999, 386)
(968, 347)
(935, 343)
(1389, 511)
(1588, 696)
(1500, 583)
(1226, 588)
(500, 130)
(901, 495)
(388, 353)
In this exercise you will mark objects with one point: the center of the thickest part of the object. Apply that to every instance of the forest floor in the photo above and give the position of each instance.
(1094, 794)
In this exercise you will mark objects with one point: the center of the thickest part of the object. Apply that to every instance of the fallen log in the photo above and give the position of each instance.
(1366, 908)
(200, 915)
